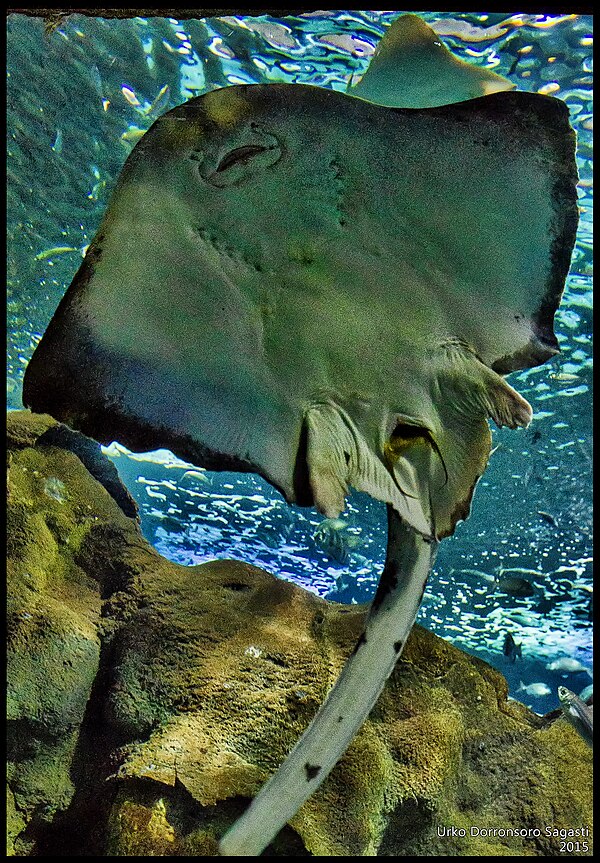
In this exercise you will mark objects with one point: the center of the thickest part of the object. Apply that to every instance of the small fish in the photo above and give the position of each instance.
(348, 43)
(524, 618)
(567, 665)
(333, 524)
(58, 142)
(160, 102)
(519, 570)
(563, 377)
(475, 573)
(511, 649)
(514, 585)
(97, 80)
(196, 474)
(546, 516)
(544, 605)
(527, 475)
(578, 713)
(133, 133)
(332, 543)
(538, 690)
(130, 96)
(53, 252)
(587, 694)
(333, 538)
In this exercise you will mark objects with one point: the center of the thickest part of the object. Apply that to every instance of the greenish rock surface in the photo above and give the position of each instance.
(148, 702)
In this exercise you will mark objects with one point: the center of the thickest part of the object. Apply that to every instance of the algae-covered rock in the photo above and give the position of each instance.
(148, 701)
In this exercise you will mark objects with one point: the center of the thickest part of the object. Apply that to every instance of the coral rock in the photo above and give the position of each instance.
(148, 702)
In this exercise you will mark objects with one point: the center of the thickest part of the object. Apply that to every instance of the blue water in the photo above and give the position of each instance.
(78, 100)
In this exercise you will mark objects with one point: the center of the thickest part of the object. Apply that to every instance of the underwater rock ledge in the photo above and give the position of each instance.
(149, 701)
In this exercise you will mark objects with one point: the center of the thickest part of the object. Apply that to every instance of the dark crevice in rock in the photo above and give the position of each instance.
(411, 821)
(237, 586)
(103, 555)
(81, 829)
(24, 737)
(277, 660)
(101, 468)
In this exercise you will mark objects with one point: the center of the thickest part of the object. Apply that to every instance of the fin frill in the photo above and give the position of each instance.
(427, 471)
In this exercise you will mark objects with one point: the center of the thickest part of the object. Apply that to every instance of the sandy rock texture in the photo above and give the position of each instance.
(148, 701)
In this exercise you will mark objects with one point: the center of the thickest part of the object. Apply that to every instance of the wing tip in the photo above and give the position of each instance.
(547, 120)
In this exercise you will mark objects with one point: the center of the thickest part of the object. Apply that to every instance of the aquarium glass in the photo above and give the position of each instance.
(83, 92)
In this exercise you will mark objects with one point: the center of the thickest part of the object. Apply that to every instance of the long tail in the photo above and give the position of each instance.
(408, 563)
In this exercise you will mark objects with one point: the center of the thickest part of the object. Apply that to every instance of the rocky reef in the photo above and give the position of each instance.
(147, 702)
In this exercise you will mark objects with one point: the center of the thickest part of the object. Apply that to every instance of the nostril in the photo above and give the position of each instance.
(240, 160)
(240, 155)
(406, 433)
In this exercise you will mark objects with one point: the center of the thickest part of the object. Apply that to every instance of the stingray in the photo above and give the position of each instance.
(412, 68)
(326, 290)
